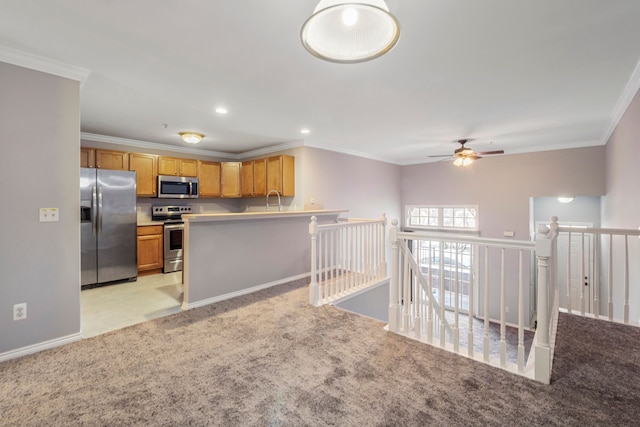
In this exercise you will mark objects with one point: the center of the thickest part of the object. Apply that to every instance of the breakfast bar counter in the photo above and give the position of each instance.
(232, 254)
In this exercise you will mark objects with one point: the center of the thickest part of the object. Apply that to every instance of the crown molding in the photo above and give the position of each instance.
(271, 149)
(629, 92)
(154, 145)
(349, 152)
(45, 65)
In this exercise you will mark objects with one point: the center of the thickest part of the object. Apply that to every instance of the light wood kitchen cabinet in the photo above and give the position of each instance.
(150, 249)
(146, 168)
(114, 160)
(209, 178)
(177, 167)
(281, 175)
(254, 178)
(87, 157)
(230, 179)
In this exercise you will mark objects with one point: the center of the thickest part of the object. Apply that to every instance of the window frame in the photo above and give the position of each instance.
(440, 226)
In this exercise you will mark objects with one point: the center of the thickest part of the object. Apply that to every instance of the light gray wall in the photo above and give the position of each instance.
(501, 186)
(40, 263)
(621, 206)
(580, 210)
(367, 188)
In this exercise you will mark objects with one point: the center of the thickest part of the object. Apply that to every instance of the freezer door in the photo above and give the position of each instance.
(116, 225)
(88, 237)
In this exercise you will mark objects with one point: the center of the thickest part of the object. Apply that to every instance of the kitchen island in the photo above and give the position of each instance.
(232, 254)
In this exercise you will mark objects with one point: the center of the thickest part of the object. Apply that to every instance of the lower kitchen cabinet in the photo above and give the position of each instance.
(150, 247)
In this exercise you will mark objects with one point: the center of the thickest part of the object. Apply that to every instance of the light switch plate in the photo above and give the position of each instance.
(49, 215)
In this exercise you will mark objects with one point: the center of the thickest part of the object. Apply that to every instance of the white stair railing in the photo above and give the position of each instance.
(416, 312)
(605, 260)
(346, 257)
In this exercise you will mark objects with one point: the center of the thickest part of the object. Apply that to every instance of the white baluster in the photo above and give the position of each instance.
(610, 276)
(520, 314)
(583, 277)
(485, 341)
(314, 291)
(569, 302)
(503, 326)
(394, 308)
(626, 279)
(470, 305)
(596, 273)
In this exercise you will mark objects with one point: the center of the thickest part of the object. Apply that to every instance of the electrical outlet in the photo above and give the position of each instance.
(49, 215)
(20, 311)
(201, 209)
(506, 309)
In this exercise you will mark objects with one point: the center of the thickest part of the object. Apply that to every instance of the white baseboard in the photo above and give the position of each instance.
(212, 300)
(35, 348)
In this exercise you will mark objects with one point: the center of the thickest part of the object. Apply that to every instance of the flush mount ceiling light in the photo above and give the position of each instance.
(191, 137)
(350, 31)
(563, 199)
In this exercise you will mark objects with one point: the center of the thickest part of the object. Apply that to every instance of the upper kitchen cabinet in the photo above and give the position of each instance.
(87, 157)
(177, 167)
(146, 168)
(109, 159)
(254, 178)
(230, 179)
(281, 175)
(209, 178)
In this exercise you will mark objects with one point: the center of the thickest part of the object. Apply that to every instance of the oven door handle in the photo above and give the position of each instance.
(173, 226)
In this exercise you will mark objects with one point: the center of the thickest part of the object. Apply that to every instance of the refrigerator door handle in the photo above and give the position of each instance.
(94, 212)
(99, 210)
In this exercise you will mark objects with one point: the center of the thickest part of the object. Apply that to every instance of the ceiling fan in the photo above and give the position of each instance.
(464, 156)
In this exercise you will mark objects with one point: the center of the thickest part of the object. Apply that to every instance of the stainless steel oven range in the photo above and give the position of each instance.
(173, 234)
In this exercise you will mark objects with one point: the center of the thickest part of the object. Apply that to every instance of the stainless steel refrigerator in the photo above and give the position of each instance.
(107, 226)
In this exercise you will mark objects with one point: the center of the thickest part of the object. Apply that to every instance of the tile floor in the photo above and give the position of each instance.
(112, 307)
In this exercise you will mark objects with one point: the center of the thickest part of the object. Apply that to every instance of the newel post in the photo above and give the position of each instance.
(542, 349)
(394, 304)
(314, 289)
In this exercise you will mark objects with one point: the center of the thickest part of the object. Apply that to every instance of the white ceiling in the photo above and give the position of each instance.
(512, 75)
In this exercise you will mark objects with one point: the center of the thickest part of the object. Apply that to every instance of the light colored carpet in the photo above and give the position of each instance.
(271, 359)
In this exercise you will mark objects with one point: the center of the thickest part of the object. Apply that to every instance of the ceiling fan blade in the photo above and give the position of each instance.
(443, 155)
(488, 153)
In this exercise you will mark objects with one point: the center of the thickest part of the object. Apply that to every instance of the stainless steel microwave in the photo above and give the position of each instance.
(177, 187)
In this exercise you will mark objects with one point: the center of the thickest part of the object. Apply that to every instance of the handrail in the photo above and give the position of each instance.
(346, 257)
(405, 306)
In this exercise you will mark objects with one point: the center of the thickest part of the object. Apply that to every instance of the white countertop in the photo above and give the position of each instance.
(143, 223)
(227, 216)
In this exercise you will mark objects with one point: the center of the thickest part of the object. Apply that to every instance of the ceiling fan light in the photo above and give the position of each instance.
(350, 31)
(458, 161)
(467, 161)
(191, 137)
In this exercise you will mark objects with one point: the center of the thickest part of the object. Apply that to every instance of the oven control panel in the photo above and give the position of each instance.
(159, 213)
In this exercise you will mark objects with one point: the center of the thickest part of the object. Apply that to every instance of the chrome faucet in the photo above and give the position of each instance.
(277, 194)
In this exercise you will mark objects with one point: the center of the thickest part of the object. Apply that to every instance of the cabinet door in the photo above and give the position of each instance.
(231, 179)
(87, 157)
(168, 166)
(145, 166)
(115, 160)
(209, 178)
(260, 177)
(281, 175)
(188, 167)
(150, 247)
(247, 179)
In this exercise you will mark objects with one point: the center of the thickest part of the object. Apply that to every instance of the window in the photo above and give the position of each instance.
(442, 217)
(449, 264)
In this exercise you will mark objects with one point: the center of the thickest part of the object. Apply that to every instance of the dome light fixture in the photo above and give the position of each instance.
(191, 137)
(346, 32)
(565, 199)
